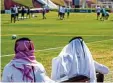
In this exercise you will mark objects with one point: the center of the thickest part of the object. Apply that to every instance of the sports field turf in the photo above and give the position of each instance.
(55, 33)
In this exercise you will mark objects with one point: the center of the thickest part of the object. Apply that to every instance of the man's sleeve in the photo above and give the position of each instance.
(101, 68)
(41, 75)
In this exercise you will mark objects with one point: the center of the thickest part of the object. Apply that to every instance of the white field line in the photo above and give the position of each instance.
(56, 48)
(35, 51)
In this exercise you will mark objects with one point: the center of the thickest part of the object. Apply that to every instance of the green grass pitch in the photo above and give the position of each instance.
(55, 33)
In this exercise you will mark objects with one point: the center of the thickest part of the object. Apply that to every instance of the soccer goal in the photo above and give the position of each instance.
(107, 5)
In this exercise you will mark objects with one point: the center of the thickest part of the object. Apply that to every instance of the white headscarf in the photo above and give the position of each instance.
(74, 59)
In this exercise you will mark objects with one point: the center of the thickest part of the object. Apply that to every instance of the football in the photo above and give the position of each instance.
(14, 36)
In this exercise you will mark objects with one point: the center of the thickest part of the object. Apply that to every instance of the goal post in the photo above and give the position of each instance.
(106, 5)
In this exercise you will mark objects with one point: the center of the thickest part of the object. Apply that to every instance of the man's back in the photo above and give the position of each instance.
(34, 73)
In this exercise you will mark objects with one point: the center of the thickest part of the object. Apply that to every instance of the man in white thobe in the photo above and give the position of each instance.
(75, 59)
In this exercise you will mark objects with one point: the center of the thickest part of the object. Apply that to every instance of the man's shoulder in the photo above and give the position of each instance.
(40, 67)
(8, 66)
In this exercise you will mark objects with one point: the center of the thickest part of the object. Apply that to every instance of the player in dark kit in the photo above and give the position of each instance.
(13, 15)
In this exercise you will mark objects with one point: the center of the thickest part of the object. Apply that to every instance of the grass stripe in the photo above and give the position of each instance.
(57, 47)
(50, 35)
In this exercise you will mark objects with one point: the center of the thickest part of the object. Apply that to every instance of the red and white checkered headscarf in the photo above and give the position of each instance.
(24, 49)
